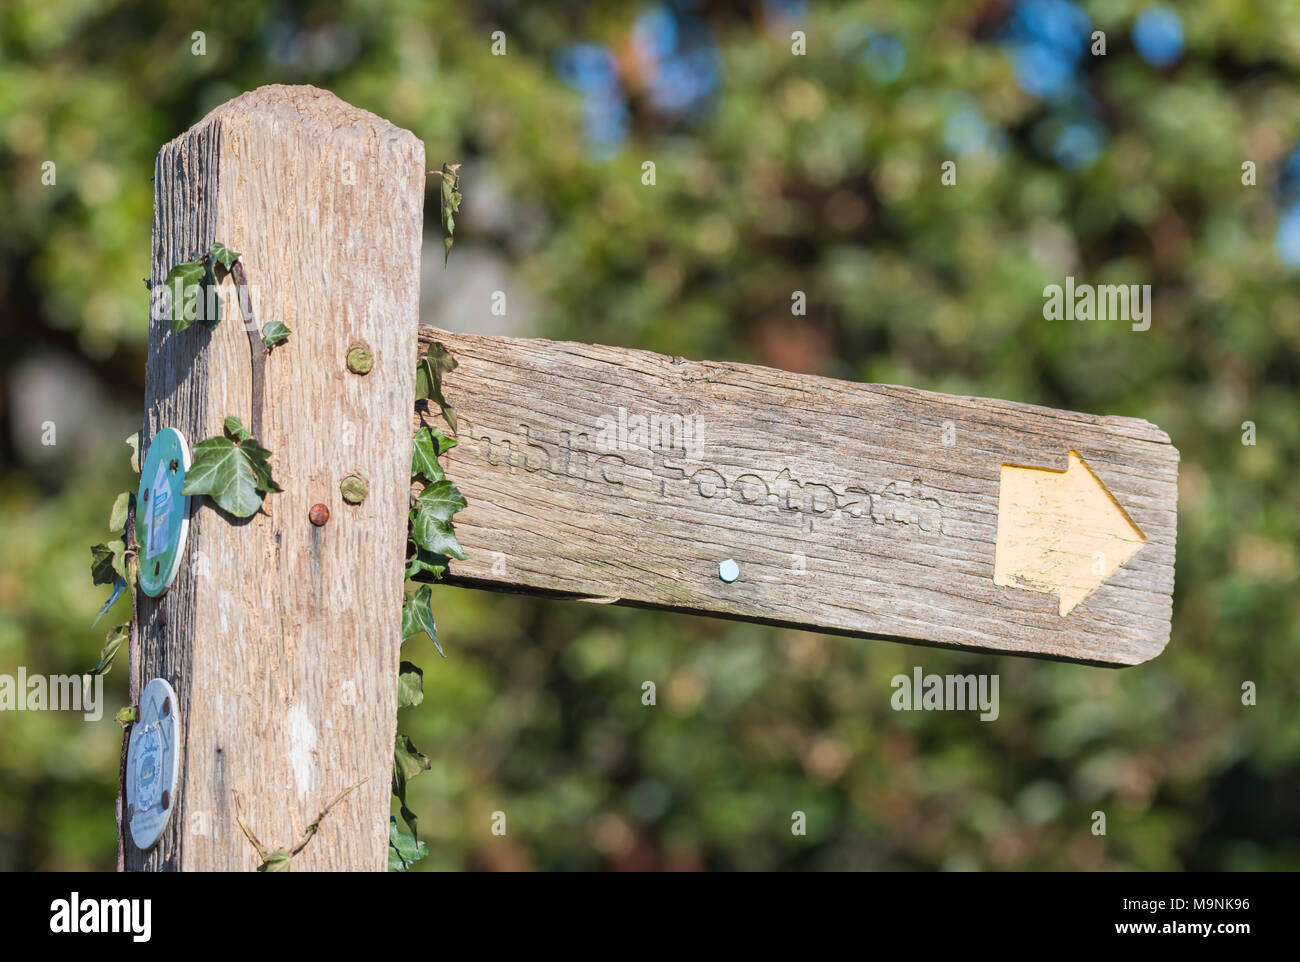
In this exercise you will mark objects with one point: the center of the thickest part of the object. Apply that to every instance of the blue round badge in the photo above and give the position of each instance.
(162, 513)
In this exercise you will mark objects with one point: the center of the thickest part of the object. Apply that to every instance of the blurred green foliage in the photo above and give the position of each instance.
(817, 173)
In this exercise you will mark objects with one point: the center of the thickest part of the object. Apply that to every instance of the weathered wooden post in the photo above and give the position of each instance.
(281, 637)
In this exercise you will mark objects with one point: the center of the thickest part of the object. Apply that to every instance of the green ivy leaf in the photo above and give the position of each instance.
(232, 470)
(410, 685)
(425, 562)
(417, 616)
(441, 500)
(101, 564)
(121, 507)
(209, 280)
(274, 333)
(223, 255)
(134, 442)
(403, 850)
(435, 534)
(449, 205)
(438, 362)
(277, 861)
(112, 642)
(426, 468)
(107, 562)
(108, 567)
(234, 429)
(445, 443)
(429, 370)
(408, 762)
(184, 282)
(428, 444)
(118, 587)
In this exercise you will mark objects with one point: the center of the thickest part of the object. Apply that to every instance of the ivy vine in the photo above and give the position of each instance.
(281, 859)
(113, 563)
(232, 467)
(431, 544)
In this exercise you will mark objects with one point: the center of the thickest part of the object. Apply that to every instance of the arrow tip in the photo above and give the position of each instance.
(1060, 532)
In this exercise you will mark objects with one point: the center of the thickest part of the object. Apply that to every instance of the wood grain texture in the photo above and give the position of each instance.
(842, 504)
(281, 638)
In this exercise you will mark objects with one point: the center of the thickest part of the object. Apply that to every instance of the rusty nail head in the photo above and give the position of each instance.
(166, 799)
(157, 566)
(167, 706)
(318, 514)
(172, 466)
(360, 360)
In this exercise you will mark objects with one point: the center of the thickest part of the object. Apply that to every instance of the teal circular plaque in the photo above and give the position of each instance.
(162, 513)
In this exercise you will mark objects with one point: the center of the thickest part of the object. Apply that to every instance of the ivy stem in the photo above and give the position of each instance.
(133, 662)
(258, 350)
(262, 852)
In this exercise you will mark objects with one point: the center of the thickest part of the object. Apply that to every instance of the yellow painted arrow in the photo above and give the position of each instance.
(1060, 532)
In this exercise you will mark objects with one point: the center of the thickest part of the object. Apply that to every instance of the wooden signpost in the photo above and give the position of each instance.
(600, 473)
(865, 509)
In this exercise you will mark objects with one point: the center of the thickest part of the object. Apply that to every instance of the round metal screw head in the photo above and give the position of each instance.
(728, 571)
(360, 360)
(353, 489)
(318, 514)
